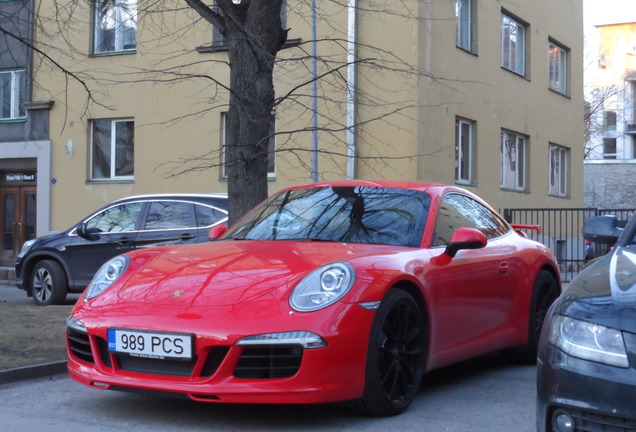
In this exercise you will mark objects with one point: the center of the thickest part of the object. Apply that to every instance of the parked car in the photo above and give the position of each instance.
(49, 267)
(586, 378)
(327, 292)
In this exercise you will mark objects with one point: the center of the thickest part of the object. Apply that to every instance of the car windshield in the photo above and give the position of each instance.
(370, 215)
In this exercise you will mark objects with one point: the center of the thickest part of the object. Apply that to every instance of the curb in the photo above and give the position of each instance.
(30, 372)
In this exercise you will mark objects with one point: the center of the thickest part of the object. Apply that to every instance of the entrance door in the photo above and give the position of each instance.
(17, 219)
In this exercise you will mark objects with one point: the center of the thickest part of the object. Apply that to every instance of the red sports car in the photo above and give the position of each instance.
(326, 292)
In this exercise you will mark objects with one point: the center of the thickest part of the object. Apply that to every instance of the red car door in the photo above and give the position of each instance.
(472, 296)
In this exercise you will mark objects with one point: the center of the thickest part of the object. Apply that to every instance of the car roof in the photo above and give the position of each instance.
(177, 196)
(399, 184)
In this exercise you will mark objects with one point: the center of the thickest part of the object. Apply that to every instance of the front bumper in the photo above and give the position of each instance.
(596, 396)
(225, 372)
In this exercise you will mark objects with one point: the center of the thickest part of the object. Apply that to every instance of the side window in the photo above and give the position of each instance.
(457, 211)
(121, 218)
(208, 216)
(169, 215)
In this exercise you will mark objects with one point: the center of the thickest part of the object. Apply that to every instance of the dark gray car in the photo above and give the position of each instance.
(586, 376)
(50, 267)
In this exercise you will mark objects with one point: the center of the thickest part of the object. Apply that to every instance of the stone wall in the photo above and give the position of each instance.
(609, 184)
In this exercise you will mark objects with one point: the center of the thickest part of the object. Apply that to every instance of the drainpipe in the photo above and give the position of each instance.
(314, 102)
(351, 90)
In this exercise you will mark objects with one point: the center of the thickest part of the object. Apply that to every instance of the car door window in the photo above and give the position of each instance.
(208, 216)
(457, 211)
(120, 218)
(164, 215)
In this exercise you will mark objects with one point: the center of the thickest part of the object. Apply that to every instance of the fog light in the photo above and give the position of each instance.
(562, 422)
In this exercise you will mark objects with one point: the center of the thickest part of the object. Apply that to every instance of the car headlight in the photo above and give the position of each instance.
(25, 247)
(322, 287)
(107, 275)
(589, 341)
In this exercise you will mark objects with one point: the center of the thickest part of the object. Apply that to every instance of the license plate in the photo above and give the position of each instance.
(148, 344)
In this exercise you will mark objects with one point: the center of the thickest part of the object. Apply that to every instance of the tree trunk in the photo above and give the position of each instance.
(254, 36)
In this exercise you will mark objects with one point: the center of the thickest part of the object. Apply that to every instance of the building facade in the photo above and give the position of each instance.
(610, 164)
(25, 149)
(486, 95)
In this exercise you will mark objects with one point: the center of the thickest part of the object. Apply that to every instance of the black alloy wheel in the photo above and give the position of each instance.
(396, 355)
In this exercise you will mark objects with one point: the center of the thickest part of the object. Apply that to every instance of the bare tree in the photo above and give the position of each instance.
(253, 36)
(597, 101)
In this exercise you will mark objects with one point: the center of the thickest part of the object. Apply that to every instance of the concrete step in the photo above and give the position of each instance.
(7, 274)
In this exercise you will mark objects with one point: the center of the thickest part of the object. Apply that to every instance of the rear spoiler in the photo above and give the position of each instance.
(518, 227)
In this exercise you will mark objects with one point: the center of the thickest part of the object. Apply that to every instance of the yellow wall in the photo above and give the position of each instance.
(407, 118)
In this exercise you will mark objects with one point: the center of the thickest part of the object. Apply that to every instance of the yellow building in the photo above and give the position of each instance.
(484, 94)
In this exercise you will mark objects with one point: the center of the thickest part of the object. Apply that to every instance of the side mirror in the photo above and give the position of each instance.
(602, 229)
(465, 238)
(87, 233)
(217, 231)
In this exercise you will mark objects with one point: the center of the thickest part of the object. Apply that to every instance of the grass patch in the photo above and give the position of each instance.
(31, 334)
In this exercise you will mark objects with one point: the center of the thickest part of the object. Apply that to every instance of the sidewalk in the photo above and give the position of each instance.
(7, 275)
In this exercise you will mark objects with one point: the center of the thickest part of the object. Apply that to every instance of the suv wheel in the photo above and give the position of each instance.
(48, 283)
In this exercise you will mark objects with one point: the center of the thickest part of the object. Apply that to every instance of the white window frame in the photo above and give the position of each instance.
(558, 161)
(464, 24)
(15, 94)
(513, 45)
(513, 161)
(464, 151)
(123, 19)
(271, 147)
(558, 68)
(112, 175)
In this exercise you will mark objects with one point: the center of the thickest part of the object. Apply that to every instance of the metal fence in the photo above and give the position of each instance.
(562, 232)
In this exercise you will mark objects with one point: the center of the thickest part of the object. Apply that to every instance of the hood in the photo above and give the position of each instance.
(228, 272)
(605, 292)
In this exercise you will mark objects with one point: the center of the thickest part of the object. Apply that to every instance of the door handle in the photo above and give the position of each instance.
(186, 236)
(125, 241)
(503, 267)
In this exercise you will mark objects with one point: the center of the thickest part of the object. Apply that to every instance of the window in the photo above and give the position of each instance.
(610, 121)
(513, 45)
(464, 24)
(558, 68)
(558, 163)
(12, 94)
(458, 211)
(513, 160)
(163, 215)
(208, 216)
(464, 151)
(120, 218)
(271, 146)
(115, 26)
(609, 148)
(112, 150)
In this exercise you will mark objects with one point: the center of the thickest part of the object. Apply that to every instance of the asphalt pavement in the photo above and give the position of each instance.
(9, 293)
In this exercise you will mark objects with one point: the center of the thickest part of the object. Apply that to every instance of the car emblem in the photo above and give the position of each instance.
(177, 294)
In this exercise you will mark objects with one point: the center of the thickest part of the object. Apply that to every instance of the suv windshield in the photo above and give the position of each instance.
(370, 215)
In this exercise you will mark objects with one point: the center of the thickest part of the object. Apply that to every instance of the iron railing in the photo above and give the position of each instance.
(562, 233)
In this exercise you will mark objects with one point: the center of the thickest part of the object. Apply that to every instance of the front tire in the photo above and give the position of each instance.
(49, 283)
(395, 356)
